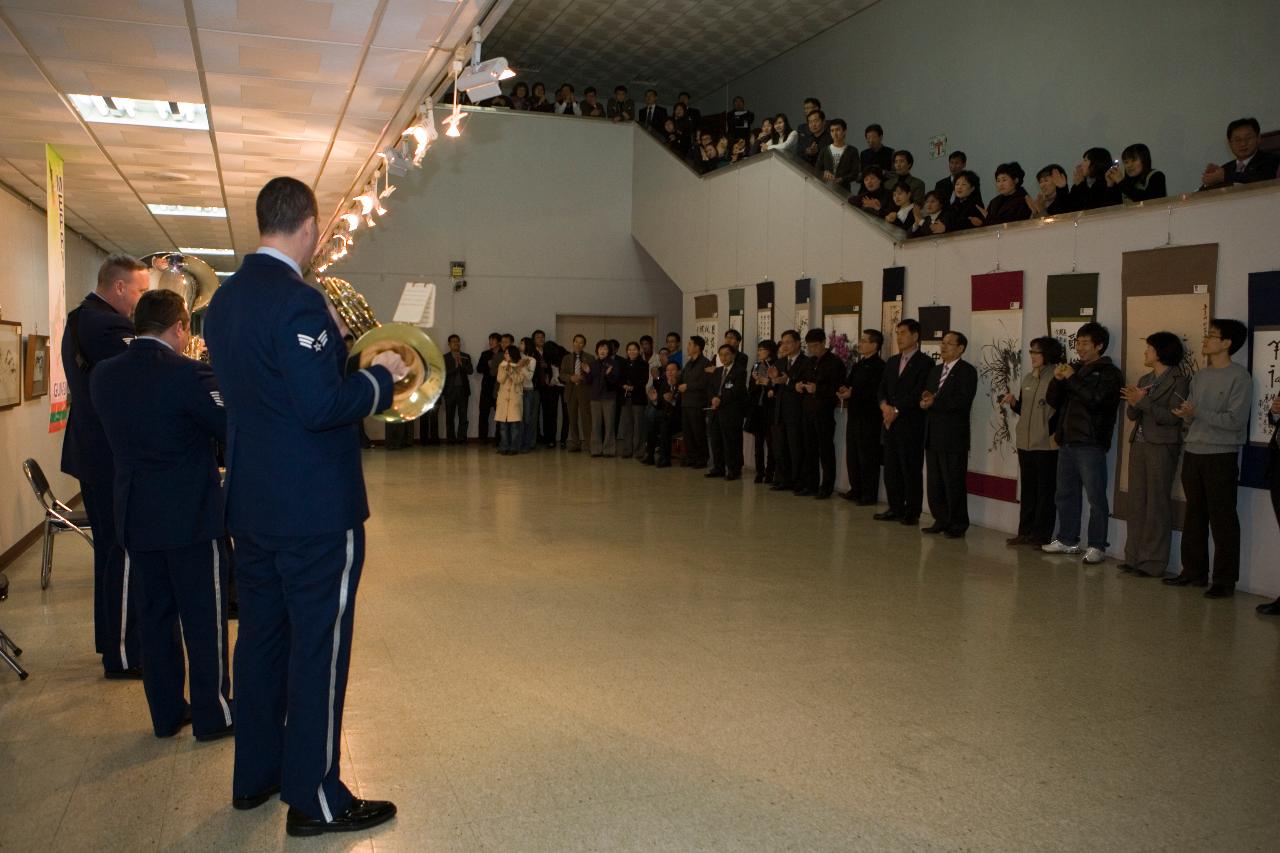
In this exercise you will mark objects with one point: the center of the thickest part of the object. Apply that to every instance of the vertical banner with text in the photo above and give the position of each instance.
(57, 246)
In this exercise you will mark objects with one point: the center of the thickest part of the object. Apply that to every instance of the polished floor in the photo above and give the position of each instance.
(559, 653)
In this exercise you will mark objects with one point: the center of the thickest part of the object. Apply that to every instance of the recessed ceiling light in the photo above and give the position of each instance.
(187, 210)
(112, 110)
(190, 251)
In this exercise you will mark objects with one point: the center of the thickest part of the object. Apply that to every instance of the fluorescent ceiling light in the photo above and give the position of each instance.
(187, 210)
(112, 110)
(190, 251)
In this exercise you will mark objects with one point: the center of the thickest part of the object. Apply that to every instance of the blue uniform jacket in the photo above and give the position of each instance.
(293, 437)
(162, 413)
(103, 333)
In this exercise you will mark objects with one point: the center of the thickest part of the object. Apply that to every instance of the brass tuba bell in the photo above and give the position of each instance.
(419, 390)
(193, 280)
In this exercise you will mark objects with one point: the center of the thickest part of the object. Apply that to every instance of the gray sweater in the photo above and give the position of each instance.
(1222, 397)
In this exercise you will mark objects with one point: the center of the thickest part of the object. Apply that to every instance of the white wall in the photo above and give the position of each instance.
(24, 289)
(765, 220)
(539, 207)
(1035, 81)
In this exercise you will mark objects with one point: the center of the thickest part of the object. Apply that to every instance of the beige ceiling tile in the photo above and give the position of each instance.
(43, 131)
(377, 103)
(27, 106)
(136, 11)
(344, 21)
(96, 78)
(285, 59)
(18, 73)
(418, 24)
(390, 68)
(102, 40)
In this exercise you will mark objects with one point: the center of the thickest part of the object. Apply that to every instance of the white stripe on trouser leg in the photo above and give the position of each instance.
(217, 620)
(124, 612)
(333, 670)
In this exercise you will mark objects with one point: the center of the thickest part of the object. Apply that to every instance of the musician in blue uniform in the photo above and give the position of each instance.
(296, 508)
(162, 414)
(99, 328)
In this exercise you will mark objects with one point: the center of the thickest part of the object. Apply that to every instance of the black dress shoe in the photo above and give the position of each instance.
(182, 724)
(1185, 580)
(911, 520)
(759, 478)
(1126, 568)
(663, 464)
(361, 814)
(849, 496)
(954, 534)
(933, 528)
(732, 476)
(254, 800)
(1220, 591)
(864, 503)
(217, 734)
(887, 515)
(779, 487)
(714, 473)
(804, 493)
(133, 673)
(1270, 609)
(822, 496)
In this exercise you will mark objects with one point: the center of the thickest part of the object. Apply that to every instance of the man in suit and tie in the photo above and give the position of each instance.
(695, 397)
(163, 415)
(487, 367)
(99, 328)
(957, 163)
(901, 388)
(788, 435)
(1248, 164)
(457, 391)
(296, 507)
(819, 379)
(728, 410)
(651, 116)
(574, 370)
(864, 422)
(664, 416)
(947, 399)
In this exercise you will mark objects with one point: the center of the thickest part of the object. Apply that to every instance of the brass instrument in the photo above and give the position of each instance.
(193, 280)
(419, 390)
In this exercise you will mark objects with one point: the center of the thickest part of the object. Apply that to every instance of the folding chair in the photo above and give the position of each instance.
(58, 517)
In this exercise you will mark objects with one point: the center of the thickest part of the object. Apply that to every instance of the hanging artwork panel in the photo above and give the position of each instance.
(764, 311)
(1071, 300)
(893, 293)
(995, 349)
(804, 288)
(706, 314)
(842, 316)
(934, 322)
(1264, 364)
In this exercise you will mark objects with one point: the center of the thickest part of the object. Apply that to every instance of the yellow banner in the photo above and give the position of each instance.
(57, 242)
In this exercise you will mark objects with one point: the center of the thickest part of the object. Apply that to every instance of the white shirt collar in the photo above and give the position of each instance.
(280, 256)
(950, 364)
(157, 340)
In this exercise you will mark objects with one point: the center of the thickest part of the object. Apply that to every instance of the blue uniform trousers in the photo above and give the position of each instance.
(181, 596)
(115, 622)
(297, 597)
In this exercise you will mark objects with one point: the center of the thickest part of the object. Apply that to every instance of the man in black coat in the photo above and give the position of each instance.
(487, 367)
(864, 422)
(947, 400)
(99, 328)
(788, 427)
(901, 387)
(663, 416)
(457, 391)
(728, 410)
(1248, 164)
(694, 399)
(651, 116)
(820, 377)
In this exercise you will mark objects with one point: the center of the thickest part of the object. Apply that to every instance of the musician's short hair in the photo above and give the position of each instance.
(116, 267)
(284, 205)
(157, 311)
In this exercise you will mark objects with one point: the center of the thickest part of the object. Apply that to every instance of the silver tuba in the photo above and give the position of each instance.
(193, 280)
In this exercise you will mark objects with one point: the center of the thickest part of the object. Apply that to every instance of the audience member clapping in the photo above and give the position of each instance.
(591, 106)
(676, 140)
(1010, 203)
(1248, 164)
(784, 137)
(966, 211)
(566, 103)
(763, 137)
(923, 217)
(538, 102)
(903, 213)
(1135, 178)
(1089, 189)
(903, 161)
(814, 137)
(1053, 198)
(946, 188)
(873, 198)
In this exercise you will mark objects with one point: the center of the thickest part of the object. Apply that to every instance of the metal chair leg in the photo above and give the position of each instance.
(8, 652)
(46, 564)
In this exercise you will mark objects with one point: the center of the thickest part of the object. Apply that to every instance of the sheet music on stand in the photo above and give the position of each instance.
(417, 304)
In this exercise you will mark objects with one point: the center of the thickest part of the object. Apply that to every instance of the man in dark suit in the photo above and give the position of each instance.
(864, 422)
(1248, 164)
(663, 416)
(99, 328)
(487, 367)
(957, 163)
(695, 115)
(788, 435)
(728, 411)
(947, 400)
(819, 379)
(651, 116)
(575, 368)
(901, 387)
(694, 399)
(457, 391)
(296, 507)
(548, 357)
(163, 415)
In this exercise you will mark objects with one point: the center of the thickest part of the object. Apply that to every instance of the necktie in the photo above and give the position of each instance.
(946, 369)
(649, 118)
(577, 364)
(724, 377)
(902, 364)
(1240, 164)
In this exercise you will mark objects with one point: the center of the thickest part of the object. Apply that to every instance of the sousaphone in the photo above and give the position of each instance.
(193, 280)
(419, 390)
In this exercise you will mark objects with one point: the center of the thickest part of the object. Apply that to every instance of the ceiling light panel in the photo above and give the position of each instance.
(205, 251)
(187, 210)
(171, 115)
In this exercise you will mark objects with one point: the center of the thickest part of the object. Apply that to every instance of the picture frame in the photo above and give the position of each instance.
(10, 364)
(35, 367)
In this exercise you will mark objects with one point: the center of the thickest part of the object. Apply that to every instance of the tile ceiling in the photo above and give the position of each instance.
(293, 87)
(672, 45)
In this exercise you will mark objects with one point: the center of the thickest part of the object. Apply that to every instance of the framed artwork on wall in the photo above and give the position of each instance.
(35, 368)
(10, 364)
